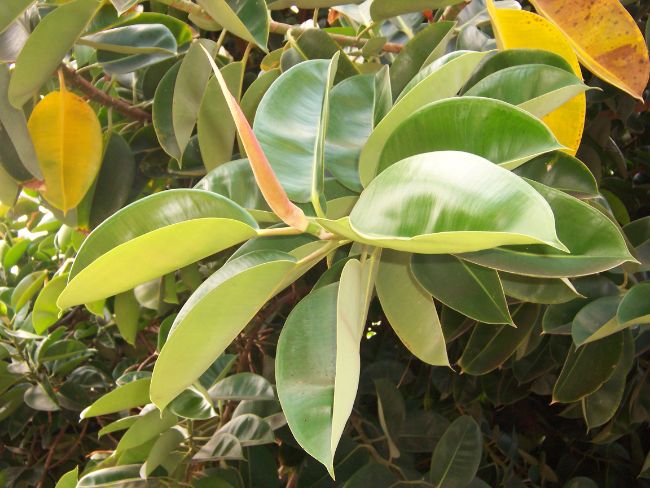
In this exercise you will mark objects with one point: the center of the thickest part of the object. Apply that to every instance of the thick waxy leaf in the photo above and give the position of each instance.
(124, 5)
(162, 112)
(317, 44)
(457, 455)
(427, 45)
(494, 130)
(635, 306)
(45, 312)
(562, 171)
(596, 320)
(215, 127)
(587, 368)
(265, 177)
(523, 29)
(410, 309)
(220, 446)
(133, 39)
(538, 290)
(193, 344)
(471, 290)
(13, 121)
(127, 314)
(243, 386)
(124, 397)
(441, 79)
(67, 137)
(489, 346)
(595, 243)
(26, 289)
(606, 39)
(291, 123)
(599, 407)
(638, 234)
(384, 9)
(537, 88)
(248, 19)
(113, 258)
(47, 46)
(421, 205)
(189, 88)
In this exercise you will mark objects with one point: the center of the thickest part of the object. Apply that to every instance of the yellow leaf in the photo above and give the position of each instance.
(67, 137)
(521, 29)
(606, 39)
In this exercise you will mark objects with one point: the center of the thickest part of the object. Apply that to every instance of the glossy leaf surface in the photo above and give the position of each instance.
(248, 19)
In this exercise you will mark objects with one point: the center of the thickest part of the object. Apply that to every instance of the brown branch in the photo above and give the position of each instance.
(96, 95)
(50, 455)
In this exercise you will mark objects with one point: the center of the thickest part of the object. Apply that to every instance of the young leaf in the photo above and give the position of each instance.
(522, 29)
(190, 343)
(410, 309)
(67, 137)
(606, 39)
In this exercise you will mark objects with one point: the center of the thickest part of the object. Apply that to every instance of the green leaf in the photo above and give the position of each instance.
(595, 244)
(319, 346)
(220, 446)
(490, 346)
(587, 368)
(69, 479)
(190, 85)
(124, 397)
(127, 315)
(162, 448)
(420, 205)
(561, 171)
(192, 404)
(248, 19)
(410, 309)
(253, 96)
(536, 88)
(26, 289)
(295, 145)
(599, 407)
(123, 6)
(128, 475)
(162, 112)
(384, 9)
(472, 290)
(596, 320)
(309, 4)
(121, 424)
(391, 412)
(249, 429)
(110, 260)
(635, 306)
(317, 44)
(499, 132)
(45, 312)
(149, 425)
(40, 399)
(215, 127)
(181, 30)
(457, 455)
(10, 11)
(47, 46)
(219, 297)
(133, 39)
(243, 386)
(354, 104)
(427, 45)
(538, 290)
(14, 124)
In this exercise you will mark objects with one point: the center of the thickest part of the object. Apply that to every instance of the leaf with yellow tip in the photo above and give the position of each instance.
(266, 179)
(521, 29)
(606, 39)
(67, 138)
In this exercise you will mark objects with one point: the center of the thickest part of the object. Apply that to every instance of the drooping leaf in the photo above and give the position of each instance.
(635, 305)
(494, 130)
(410, 309)
(384, 9)
(490, 346)
(47, 46)
(425, 47)
(215, 127)
(611, 46)
(127, 314)
(219, 297)
(587, 368)
(457, 455)
(113, 257)
(67, 138)
(124, 397)
(441, 79)
(523, 29)
(594, 242)
(45, 312)
(295, 145)
(471, 290)
(420, 205)
(248, 19)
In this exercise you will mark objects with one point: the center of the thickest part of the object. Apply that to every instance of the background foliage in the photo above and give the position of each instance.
(338, 96)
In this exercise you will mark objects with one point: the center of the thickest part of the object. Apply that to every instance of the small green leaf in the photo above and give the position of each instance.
(248, 19)
(149, 425)
(127, 315)
(635, 306)
(162, 112)
(26, 289)
(124, 397)
(249, 429)
(457, 455)
(162, 448)
(243, 386)
(46, 313)
(69, 479)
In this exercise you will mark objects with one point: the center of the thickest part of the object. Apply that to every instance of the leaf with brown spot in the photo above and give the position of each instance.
(605, 38)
